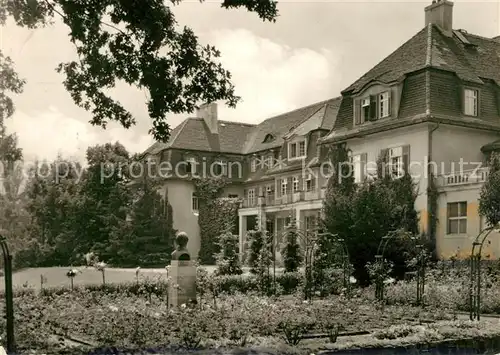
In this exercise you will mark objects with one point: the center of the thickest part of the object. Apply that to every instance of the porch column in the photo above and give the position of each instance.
(242, 236)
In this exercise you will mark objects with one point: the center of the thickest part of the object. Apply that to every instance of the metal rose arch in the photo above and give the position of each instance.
(9, 298)
(475, 273)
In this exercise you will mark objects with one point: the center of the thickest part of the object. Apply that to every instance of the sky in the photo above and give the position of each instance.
(312, 52)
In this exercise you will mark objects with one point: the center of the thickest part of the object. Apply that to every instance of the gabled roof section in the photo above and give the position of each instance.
(408, 57)
(193, 134)
(470, 57)
(323, 118)
(279, 127)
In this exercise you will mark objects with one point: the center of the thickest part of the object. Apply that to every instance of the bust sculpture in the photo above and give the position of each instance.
(181, 252)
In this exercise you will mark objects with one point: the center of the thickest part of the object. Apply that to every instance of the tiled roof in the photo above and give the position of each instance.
(280, 125)
(241, 138)
(430, 47)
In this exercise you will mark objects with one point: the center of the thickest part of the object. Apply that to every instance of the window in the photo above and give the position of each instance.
(396, 162)
(251, 197)
(284, 184)
(220, 168)
(373, 107)
(253, 165)
(384, 105)
(295, 184)
(194, 202)
(302, 149)
(310, 183)
(457, 218)
(269, 138)
(365, 110)
(470, 104)
(296, 150)
(232, 196)
(269, 190)
(269, 161)
(310, 222)
(191, 165)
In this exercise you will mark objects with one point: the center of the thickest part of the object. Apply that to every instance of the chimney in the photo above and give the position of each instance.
(209, 114)
(440, 13)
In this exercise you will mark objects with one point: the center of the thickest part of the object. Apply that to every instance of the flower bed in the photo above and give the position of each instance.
(130, 321)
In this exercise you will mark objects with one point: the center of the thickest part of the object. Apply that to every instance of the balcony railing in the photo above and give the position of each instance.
(272, 200)
(464, 177)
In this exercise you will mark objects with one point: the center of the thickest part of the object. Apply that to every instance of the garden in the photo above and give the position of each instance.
(248, 312)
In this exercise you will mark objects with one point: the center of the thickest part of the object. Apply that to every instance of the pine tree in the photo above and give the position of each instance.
(292, 257)
(227, 259)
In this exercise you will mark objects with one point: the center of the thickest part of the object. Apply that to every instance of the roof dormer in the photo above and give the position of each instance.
(269, 138)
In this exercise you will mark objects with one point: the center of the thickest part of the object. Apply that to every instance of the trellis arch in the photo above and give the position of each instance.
(421, 261)
(475, 273)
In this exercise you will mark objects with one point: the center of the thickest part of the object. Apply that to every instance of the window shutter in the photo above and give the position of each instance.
(313, 183)
(389, 102)
(406, 158)
(357, 112)
(364, 158)
(382, 164)
(461, 97)
(373, 107)
(289, 185)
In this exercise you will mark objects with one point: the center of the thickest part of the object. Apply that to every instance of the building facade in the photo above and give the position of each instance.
(432, 105)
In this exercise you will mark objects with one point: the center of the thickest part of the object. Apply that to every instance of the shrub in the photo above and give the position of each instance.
(227, 259)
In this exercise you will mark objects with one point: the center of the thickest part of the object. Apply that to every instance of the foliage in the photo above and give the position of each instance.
(216, 214)
(362, 215)
(147, 238)
(255, 243)
(138, 43)
(131, 317)
(228, 262)
(489, 202)
(291, 252)
(76, 210)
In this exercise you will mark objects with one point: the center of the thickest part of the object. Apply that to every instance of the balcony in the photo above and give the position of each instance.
(272, 200)
(461, 178)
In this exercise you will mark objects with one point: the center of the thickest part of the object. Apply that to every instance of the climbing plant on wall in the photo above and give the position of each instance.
(216, 215)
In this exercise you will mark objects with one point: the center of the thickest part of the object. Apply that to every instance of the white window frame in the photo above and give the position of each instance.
(471, 102)
(459, 218)
(383, 104)
(310, 222)
(283, 187)
(194, 202)
(295, 184)
(365, 102)
(309, 179)
(301, 150)
(298, 153)
(396, 161)
(251, 197)
(253, 165)
(269, 161)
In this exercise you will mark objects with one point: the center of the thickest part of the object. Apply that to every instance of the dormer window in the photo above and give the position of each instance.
(384, 105)
(297, 149)
(269, 138)
(373, 107)
(471, 102)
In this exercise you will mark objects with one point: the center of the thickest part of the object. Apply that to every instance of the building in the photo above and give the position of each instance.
(433, 105)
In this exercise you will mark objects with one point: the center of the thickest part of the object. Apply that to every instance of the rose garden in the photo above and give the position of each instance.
(361, 280)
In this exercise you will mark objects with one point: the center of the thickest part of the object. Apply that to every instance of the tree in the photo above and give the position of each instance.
(141, 45)
(255, 241)
(292, 257)
(228, 262)
(489, 202)
(147, 238)
(53, 192)
(362, 215)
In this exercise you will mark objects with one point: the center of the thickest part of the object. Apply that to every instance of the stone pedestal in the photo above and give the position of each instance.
(183, 274)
